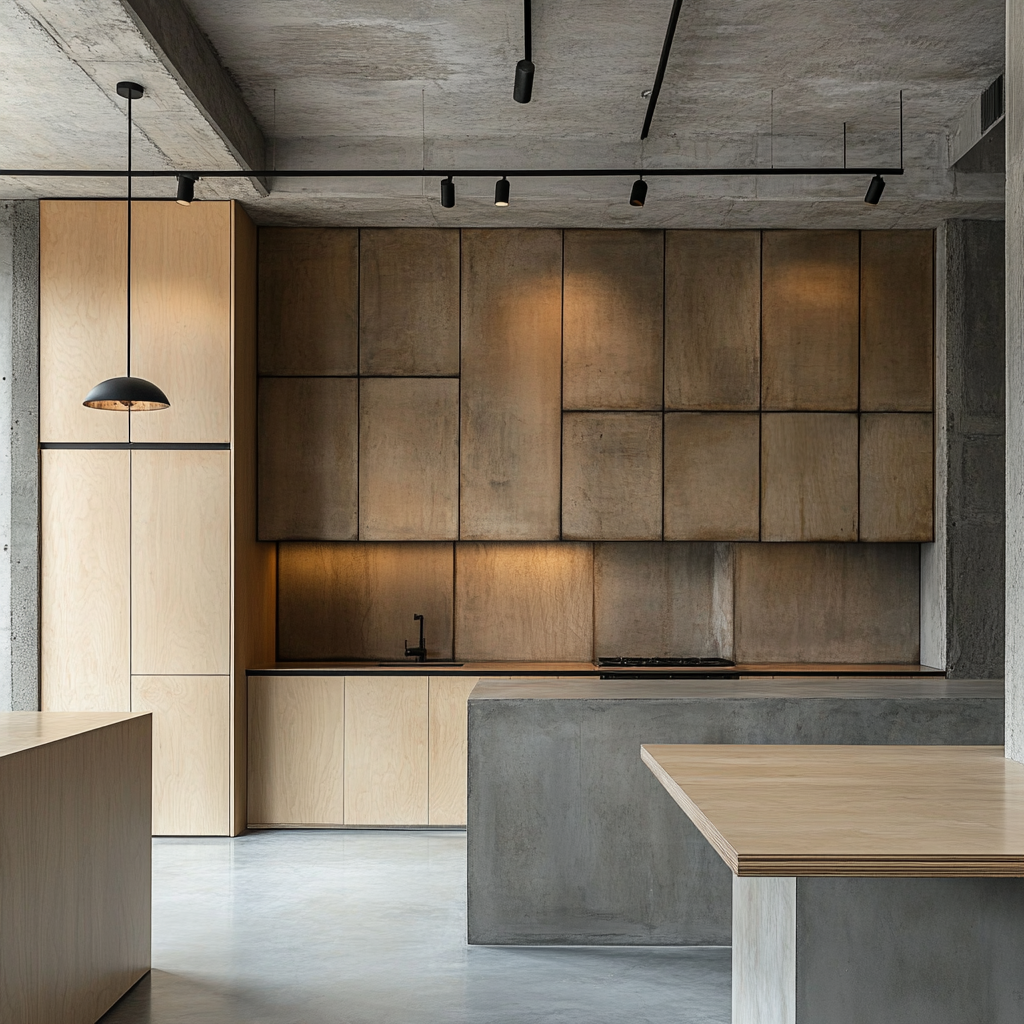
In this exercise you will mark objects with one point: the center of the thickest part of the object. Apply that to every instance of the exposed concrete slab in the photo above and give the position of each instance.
(572, 840)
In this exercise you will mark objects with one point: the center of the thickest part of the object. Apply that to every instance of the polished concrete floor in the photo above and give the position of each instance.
(369, 928)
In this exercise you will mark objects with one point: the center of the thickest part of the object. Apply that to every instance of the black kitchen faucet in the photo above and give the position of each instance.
(420, 652)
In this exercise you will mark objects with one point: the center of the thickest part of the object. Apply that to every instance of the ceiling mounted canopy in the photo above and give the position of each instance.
(128, 394)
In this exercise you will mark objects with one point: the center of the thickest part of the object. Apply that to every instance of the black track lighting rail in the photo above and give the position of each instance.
(426, 172)
(666, 49)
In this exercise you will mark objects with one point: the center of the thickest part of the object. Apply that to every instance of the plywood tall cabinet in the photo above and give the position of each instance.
(156, 595)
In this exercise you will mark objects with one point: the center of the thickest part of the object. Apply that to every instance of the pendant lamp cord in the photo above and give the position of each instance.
(129, 332)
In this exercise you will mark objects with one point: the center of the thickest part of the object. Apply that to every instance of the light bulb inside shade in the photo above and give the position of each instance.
(638, 194)
(126, 394)
(875, 190)
(186, 189)
(501, 192)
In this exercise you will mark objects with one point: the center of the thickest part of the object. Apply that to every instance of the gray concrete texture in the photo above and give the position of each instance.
(573, 840)
(389, 83)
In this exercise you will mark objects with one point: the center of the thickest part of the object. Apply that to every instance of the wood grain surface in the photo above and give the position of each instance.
(713, 320)
(181, 318)
(308, 305)
(896, 330)
(896, 476)
(296, 751)
(809, 476)
(511, 385)
(712, 476)
(386, 750)
(663, 600)
(308, 458)
(343, 601)
(938, 812)
(838, 603)
(75, 860)
(83, 316)
(408, 459)
(409, 302)
(531, 602)
(810, 316)
(613, 320)
(448, 748)
(611, 476)
(181, 562)
(85, 605)
(191, 748)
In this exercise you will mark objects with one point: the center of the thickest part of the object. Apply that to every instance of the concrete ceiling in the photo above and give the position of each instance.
(410, 83)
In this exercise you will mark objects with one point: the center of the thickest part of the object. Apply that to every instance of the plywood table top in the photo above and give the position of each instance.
(22, 730)
(943, 812)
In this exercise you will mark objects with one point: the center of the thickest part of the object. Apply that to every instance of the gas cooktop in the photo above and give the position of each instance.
(664, 663)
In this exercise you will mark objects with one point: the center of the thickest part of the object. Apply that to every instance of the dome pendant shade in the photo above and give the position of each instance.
(126, 394)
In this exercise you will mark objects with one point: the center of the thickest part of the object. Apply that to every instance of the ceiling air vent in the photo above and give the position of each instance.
(992, 104)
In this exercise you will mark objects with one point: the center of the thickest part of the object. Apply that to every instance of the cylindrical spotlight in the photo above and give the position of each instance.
(186, 189)
(448, 193)
(524, 82)
(875, 190)
(638, 194)
(501, 191)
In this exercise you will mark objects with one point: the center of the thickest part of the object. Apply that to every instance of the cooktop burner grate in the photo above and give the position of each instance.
(664, 663)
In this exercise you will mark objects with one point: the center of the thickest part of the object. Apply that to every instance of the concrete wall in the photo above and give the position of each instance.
(962, 607)
(19, 456)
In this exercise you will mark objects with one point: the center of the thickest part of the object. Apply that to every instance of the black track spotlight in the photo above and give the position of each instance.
(875, 190)
(638, 194)
(524, 82)
(186, 189)
(448, 193)
(501, 192)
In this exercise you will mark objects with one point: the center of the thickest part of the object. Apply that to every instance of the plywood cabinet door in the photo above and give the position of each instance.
(83, 316)
(86, 602)
(296, 751)
(448, 748)
(181, 562)
(386, 750)
(191, 740)
(181, 318)
(896, 476)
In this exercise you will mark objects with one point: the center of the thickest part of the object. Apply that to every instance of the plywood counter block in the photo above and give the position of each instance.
(181, 562)
(191, 716)
(712, 476)
(83, 316)
(308, 452)
(296, 750)
(524, 602)
(810, 315)
(181, 318)
(409, 302)
(713, 320)
(86, 574)
(663, 600)
(511, 398)
(896, 477)
(408, 459)
(386, 750)
(809, 477)
(352, 601)
(827, 603)
(613, 342)
(448, 748)
(896, 304)
(308, 301)
(611, 476)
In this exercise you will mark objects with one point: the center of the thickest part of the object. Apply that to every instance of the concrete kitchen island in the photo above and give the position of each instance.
(571, 840)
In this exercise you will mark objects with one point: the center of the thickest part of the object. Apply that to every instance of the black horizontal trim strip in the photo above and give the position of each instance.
(139, 446)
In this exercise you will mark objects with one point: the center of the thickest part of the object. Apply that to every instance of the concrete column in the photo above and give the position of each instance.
(962, 607)
(1014, 85)
(19, 456)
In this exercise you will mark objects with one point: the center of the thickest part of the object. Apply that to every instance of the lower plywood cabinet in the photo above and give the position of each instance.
(327, 751)
(191, 757)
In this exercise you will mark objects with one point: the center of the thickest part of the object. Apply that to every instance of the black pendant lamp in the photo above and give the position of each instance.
(128, 394)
